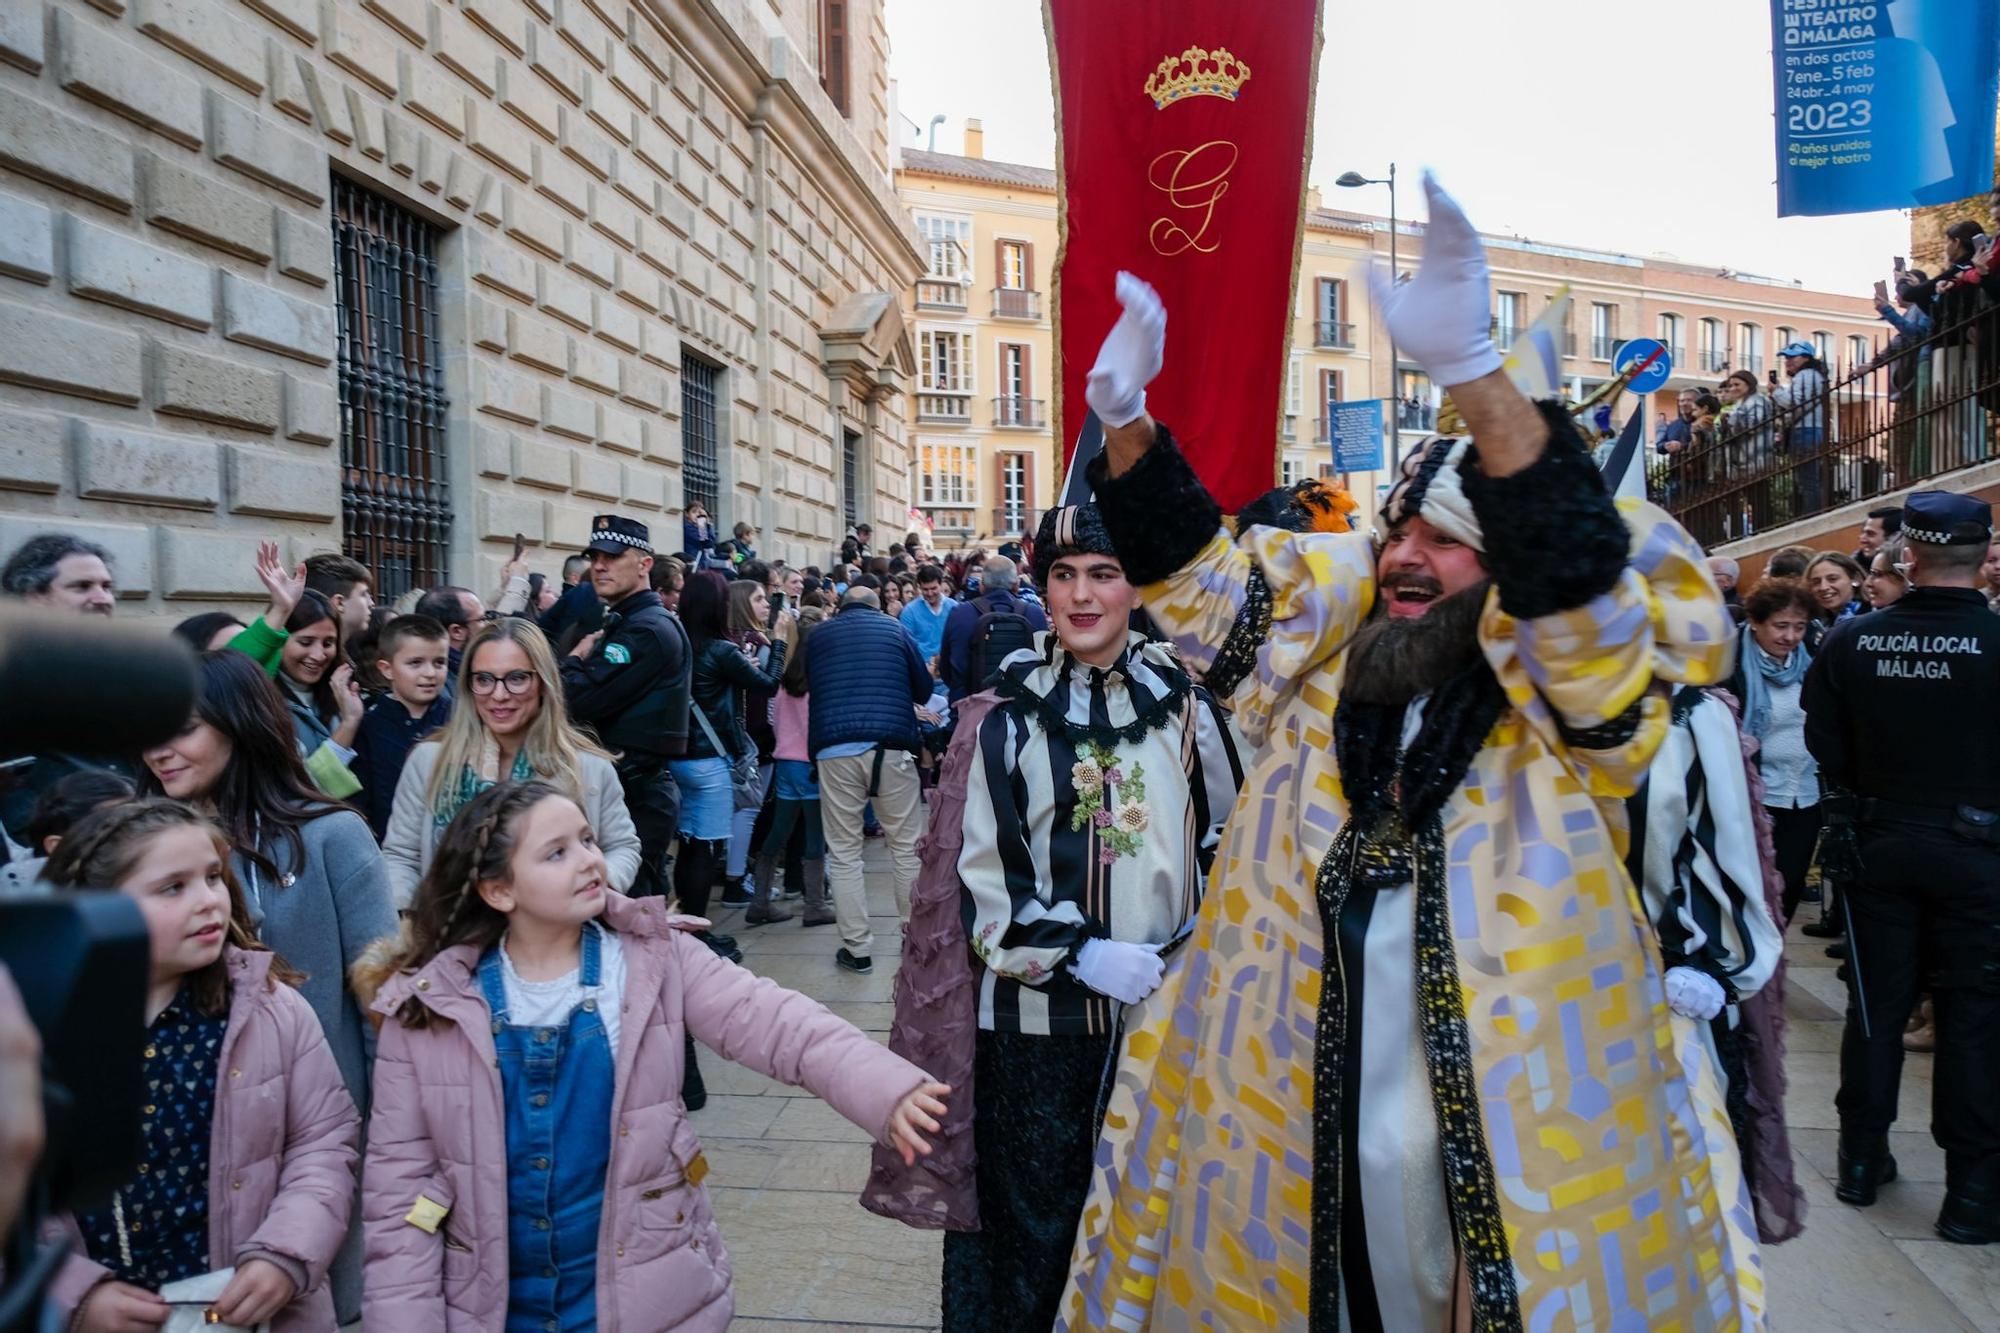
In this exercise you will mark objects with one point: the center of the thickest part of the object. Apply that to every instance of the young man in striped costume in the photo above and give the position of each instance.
(1093, 804)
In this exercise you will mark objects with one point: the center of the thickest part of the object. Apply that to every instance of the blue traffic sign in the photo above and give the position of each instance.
(1356, 431)
(1653, 376)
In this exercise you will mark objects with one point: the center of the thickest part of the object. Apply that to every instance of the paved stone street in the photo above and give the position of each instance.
(786, 1171)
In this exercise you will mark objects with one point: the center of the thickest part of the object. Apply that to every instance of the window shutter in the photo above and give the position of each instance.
(1028, 265)
(999, 263)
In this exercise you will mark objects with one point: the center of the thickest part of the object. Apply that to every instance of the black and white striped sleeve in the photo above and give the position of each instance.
(1007, 920)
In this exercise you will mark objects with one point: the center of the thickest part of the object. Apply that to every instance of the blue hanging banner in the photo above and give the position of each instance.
(1356, 432)
(1883, 103)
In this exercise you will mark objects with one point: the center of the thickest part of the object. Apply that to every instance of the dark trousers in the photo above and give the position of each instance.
(1034, 1125)
(654, 802)
(1794, 833)
(1926, 916)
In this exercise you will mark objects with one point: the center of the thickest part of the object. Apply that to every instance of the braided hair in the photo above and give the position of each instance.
(448, 909)
(105, 846)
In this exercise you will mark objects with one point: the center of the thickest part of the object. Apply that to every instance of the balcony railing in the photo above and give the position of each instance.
(1714, 360)
(1290, 429)
(1753, 363)
(1602, 346)
(940, 294)
(1333, 333)
(1014, 520)
(1677, 354)
(1016, 303)
(1878, 429)
(954, 519)
(933, 405)
(1023, 413)
(1505, 334)
(1416, 416)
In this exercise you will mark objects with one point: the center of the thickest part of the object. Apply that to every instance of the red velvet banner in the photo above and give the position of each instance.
(1184, 136)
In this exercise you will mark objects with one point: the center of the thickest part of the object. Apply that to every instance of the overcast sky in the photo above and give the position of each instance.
(1646, 131)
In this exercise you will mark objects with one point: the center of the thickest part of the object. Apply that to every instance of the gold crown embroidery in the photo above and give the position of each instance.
(1197, 72)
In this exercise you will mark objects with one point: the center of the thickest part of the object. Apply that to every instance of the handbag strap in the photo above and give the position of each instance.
(708, 729)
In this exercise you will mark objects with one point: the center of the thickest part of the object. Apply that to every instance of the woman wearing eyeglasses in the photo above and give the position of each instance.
(515, 729)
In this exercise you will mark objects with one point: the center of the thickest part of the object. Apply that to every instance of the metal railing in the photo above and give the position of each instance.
(1714, 360)
(1026, 413)
(1333, 333)
(1504, 334)
(1603, 346)
(1014, 520)
(1897, 419)
(1016, 303)
(940, 294)
(1752, 363)
(1416, 416)
(936, 406)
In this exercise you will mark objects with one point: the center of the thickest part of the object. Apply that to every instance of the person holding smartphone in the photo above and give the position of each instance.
(698, 535)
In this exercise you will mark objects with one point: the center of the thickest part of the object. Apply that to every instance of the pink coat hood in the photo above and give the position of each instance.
(282, 1150)
(438, 1131)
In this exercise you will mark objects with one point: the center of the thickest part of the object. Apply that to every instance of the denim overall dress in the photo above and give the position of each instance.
(557, 1086)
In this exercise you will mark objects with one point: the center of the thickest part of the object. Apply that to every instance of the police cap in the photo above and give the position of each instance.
(1945, 518)
(614, 534)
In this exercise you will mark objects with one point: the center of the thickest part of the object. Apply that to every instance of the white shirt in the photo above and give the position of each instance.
(548, 1004)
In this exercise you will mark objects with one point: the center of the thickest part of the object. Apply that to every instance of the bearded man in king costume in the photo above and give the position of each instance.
(1416, 1069)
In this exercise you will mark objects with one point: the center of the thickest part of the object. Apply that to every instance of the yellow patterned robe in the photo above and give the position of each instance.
(1621, 1196)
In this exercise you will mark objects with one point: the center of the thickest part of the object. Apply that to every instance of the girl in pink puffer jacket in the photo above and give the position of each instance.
(530, 1164)
(249, 1136)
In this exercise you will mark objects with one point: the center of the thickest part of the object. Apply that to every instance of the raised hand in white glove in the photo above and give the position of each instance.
(1693, 994)
(1126, 972)
(1130, 357)
(1441, 318)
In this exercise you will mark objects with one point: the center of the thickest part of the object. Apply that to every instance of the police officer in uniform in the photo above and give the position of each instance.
(629, 683)
(1900, 713)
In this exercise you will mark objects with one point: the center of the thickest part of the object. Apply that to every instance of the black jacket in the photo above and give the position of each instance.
(633, 688)
(721, 674)
(1899, 703)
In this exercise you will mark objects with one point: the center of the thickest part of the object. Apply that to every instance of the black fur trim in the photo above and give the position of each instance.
(1411, 501)
(1554, 539)
(1238, 657)
(1380, 775)
(1605, 735)
(1159, 513)
(1050, 718)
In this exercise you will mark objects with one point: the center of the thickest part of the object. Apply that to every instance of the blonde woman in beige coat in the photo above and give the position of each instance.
(509, 725)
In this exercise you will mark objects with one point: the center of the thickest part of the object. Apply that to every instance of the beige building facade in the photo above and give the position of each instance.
(980, 421)
(1712, 320)
(981, 409)
(409, 277)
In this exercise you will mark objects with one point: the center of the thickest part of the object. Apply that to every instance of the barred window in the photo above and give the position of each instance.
(395, 500)
(850, 477)
(701, 382)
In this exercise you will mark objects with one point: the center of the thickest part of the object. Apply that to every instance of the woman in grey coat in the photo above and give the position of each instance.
(310, 871)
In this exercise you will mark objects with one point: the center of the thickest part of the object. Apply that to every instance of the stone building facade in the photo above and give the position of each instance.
(412, 276)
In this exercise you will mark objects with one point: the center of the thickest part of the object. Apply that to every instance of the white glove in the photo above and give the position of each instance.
(1130, 357)
(1693, 994)
(1126, 972)
(1442, 317)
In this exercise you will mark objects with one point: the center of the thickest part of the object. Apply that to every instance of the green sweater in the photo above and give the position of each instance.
(266, 646)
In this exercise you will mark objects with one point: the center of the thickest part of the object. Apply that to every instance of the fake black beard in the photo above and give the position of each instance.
(1393, 660)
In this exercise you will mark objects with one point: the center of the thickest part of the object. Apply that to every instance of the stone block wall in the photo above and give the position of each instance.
(616, 185)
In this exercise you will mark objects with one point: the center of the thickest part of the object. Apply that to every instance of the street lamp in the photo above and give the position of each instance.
(1353, 180)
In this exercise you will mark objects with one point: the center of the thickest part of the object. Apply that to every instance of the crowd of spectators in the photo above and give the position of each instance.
(1814, 436)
